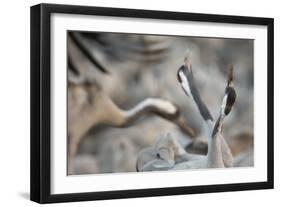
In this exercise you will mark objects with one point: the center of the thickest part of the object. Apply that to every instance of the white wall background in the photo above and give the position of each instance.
(14, 101)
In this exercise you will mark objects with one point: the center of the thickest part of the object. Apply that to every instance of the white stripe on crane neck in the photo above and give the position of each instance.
(185, 83)
(223, 105)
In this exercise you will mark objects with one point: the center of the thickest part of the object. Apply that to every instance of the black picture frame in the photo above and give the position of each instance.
(41, 102)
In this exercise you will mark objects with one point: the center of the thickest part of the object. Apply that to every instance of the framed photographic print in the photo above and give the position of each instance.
(133, 103)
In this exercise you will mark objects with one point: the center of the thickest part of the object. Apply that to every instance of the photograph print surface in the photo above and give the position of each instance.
(139, 102)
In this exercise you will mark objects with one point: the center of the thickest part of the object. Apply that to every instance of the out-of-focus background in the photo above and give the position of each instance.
(142, 66)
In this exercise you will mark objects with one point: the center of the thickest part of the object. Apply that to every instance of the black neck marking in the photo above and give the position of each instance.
(204, 111)
(231, 97)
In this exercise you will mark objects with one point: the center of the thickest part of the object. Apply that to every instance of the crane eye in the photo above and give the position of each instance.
(158, 155)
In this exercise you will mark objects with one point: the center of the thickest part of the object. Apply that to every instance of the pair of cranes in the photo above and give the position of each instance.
(168, 154)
